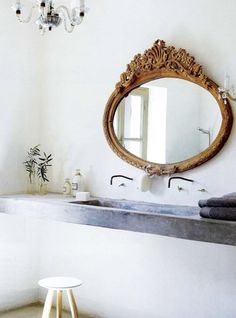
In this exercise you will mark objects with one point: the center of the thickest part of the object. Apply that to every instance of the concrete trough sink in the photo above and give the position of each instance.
(144, 207)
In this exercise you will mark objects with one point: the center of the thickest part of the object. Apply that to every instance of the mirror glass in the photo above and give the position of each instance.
(167, 120)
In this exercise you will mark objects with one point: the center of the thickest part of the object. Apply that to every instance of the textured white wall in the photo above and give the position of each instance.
(19, 129)
(126, 274)
(19, 262)
(130, 274)
(20, 97)
(139, 275)
(84, 67)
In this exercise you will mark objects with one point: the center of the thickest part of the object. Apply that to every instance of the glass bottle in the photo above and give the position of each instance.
(67, 187)
(77, 183)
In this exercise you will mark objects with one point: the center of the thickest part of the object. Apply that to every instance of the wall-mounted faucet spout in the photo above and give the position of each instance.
(206, 132)
(181, 178)
(119, 176)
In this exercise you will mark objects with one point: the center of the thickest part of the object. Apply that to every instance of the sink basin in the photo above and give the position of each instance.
(141, 206)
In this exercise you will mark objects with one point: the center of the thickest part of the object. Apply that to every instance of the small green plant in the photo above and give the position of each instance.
(37, 164)
(31, 162)
(43, 167)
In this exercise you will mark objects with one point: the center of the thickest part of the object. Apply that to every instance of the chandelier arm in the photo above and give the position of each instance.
(60, 9)
(81, 20)
(66, 16)
(42, 31)
(68, 30)
(42, 11)
(27, 20)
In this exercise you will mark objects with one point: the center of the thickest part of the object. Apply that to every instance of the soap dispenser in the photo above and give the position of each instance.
(77, 183)
(67, 187)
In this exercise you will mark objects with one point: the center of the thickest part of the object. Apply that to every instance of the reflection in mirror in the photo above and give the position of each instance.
(167, 120)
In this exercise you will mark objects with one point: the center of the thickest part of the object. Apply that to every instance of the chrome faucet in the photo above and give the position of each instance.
(206, 132)
(181, 178)
(119, 176)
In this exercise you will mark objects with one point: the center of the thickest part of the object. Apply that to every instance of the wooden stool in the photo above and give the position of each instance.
(58, 285)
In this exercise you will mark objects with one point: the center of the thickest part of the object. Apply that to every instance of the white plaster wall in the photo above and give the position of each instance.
(20, 97)
(19, 129)
(19, 262)
(130, 274)
(82, 71)
(126, 274)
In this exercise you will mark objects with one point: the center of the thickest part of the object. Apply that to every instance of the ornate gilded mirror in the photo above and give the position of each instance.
(165, 115)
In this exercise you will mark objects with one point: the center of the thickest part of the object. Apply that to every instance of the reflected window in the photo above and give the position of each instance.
(131, 122)
(156, 143)
(167, 120)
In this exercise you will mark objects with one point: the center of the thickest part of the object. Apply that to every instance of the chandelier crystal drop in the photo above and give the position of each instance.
(50, 17)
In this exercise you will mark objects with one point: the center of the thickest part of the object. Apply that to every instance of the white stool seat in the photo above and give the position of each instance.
(60, 283)
(56, 285)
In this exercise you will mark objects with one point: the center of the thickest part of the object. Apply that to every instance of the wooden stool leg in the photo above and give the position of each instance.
(48, 304)
(59, 304)
(73, 306)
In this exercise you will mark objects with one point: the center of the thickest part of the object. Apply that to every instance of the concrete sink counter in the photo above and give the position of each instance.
(167, 220)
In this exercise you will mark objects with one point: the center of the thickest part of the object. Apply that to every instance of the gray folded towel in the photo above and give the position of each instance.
(219, 213)
(228, 201)
(218, 202)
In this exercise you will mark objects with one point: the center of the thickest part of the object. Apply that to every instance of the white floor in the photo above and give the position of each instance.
(29, 312)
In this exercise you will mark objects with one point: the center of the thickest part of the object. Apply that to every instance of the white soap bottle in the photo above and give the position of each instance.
(67, 187)
(77, 183)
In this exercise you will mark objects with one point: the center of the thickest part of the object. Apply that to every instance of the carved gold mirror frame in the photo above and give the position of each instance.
(158, 62)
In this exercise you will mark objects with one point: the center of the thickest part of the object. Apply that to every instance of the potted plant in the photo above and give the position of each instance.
(31, 167)
(36, 165)
(42, 170)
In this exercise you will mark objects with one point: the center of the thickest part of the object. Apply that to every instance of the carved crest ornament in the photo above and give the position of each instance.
(161, 61)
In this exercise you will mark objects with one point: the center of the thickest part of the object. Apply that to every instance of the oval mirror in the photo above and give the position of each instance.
(165, 115)
(167, 120)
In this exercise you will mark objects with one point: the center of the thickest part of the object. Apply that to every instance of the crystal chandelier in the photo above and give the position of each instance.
(50, 17)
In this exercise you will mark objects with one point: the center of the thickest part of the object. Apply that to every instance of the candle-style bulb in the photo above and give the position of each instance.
(75, 4)
(82, 5)
(226, 82)
(17, 7)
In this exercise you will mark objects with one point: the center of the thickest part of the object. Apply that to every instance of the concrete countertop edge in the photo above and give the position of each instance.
(59, 208)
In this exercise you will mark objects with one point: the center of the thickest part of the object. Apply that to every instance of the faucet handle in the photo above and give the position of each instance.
(202, 190)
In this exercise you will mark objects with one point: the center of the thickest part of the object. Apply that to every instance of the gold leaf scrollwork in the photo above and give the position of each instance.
(161, 57)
